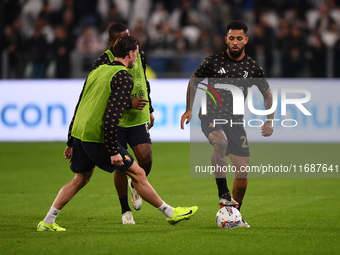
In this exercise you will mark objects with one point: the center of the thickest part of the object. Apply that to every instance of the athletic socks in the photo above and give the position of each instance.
(51, 215)
(222, 186)
(223, 191)
(166, 209)
(124, 203)
(239, 206)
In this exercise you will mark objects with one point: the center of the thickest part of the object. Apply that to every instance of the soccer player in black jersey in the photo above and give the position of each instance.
(234, 67)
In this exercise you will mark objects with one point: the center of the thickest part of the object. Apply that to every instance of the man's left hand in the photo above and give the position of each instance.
(267, 129)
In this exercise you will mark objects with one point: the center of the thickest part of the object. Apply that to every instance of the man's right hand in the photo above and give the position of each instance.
(138, 103)
(68, 153)
(117, 160)
(186, 117)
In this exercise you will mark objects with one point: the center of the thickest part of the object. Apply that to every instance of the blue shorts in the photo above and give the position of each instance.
(87, 155)
(133, 136)
(236, 136)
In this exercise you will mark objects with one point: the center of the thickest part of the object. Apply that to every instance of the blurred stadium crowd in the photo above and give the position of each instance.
(62, 38)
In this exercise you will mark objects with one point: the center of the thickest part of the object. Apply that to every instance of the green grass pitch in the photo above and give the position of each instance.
(287, 216)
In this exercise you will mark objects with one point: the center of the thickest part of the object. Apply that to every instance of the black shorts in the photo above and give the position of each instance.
(87, 155)
(133, 135)
(236, 135)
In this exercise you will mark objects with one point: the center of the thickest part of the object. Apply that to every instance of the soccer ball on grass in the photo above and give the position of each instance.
(228, 217)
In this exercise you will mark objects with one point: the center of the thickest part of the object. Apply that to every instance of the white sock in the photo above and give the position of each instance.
(51, 215)
(166, 209)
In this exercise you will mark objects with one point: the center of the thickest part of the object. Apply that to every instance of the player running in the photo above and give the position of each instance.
(93, 137)
(134, 124)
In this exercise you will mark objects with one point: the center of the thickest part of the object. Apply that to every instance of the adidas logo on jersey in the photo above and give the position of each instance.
(221, 70)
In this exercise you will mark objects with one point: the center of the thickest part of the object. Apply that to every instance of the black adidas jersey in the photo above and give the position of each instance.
(221, 69)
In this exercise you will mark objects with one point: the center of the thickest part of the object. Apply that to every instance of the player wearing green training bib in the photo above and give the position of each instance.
(134, 117)
(87, 126)
(135, 123)
(93, 137)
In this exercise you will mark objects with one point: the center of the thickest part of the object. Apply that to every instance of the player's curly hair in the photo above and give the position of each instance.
(124, 45)
(237, 25)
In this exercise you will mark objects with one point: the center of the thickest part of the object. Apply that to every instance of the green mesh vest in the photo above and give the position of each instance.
(133, 117)
(88, 124)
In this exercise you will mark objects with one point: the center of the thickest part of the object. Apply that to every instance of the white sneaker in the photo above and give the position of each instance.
(127, 218)
(227, 200)
(244, 224)
(135, 198)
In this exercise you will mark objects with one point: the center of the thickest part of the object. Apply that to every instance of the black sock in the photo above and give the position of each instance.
(239, 206)
(222, 186)
(124, 204)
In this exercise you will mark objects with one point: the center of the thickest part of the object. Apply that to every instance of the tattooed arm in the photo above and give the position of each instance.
(267, 128)
(201, 73)
(191, 92)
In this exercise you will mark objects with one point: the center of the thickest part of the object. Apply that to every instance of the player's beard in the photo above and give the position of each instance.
(235, 55)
